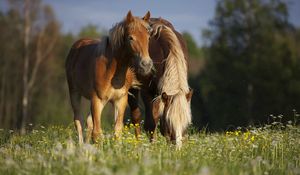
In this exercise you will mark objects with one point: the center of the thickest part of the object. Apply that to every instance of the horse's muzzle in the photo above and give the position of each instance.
(145, 67)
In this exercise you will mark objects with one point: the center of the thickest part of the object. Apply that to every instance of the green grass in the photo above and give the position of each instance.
(272, 149)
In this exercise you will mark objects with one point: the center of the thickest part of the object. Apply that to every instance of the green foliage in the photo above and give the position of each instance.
(193, 49)
(252, 63)
(49, 100)
(272, 149)
(89, 31)
(248, 69)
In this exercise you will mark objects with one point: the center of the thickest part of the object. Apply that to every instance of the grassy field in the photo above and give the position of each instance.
(272, 149)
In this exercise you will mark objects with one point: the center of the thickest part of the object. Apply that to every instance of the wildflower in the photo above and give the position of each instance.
(228, 133)
(252, 138)
(246, 135)
(237, 133)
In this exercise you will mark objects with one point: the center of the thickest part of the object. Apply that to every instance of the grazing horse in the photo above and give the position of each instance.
(166, 94)
(102, 71)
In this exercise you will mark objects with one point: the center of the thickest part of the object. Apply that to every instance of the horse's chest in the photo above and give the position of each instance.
(117, 93)
(112, 94)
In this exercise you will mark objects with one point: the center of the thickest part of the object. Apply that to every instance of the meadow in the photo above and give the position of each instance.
(269, 149)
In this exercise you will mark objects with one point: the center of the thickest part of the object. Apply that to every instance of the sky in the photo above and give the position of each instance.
(186, 15)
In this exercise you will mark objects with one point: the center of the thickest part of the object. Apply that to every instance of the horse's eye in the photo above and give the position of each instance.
(130, 38)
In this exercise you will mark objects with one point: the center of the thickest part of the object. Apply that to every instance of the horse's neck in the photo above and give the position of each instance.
(121, 61)
(122, 58)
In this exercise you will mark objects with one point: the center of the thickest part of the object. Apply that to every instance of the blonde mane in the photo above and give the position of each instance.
(174, 82)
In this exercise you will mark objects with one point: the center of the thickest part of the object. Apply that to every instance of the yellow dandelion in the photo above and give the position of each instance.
(252, 138)
(246, 135)
(228, 133)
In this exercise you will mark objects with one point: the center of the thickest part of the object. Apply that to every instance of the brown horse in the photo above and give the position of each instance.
(102, 71)
(166, 94)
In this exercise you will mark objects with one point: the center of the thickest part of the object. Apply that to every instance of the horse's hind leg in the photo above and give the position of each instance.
(78, 120)
(135, 110)
(120, 106)
(90, 126)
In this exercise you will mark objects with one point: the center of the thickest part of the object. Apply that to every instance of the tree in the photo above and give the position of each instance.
(35, 34)
(251, 63)
(40, 30)
(193, 49)
(10, 92)
(90, 31)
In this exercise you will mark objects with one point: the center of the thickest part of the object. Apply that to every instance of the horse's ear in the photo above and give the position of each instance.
(129, 17)
(165, 97)
(189, 95)
(147, 16)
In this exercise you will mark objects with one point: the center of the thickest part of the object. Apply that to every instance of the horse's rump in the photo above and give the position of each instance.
(80, 64)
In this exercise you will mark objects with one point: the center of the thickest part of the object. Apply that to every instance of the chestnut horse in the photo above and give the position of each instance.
(166, 94)
(102, 71)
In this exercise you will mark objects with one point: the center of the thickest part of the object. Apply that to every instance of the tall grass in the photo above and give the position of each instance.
(271, 149)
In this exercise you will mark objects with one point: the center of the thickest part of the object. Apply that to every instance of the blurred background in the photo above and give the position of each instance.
(244, 57)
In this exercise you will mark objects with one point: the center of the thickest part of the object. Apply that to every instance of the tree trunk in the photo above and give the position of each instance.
(25, 97)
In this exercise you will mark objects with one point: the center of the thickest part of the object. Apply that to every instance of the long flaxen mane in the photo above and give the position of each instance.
(174, 82)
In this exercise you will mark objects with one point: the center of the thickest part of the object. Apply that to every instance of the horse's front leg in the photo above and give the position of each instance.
(150, 119)
(96, 109)
(120, 106)
(136, 116)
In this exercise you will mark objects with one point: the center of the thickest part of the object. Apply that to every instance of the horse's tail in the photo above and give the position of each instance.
(68, 64)
(70, 61)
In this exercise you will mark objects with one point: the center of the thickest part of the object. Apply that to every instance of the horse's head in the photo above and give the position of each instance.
(132, 35)
(161, 109)
(137, 34)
